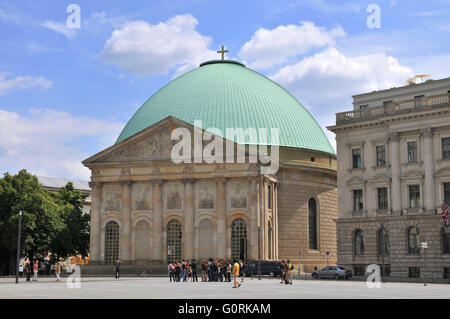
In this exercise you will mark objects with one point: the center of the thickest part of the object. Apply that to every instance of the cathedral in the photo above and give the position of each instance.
(176, 184)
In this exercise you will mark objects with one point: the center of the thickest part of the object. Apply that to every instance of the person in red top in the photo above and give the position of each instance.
(35, 269)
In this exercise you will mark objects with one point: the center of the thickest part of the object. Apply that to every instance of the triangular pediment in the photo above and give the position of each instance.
(380, 178)
(151, 144)
(356, 180)
(155, 144)
(412, 174)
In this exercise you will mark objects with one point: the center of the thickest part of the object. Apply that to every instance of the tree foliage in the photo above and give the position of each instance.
(51, 222)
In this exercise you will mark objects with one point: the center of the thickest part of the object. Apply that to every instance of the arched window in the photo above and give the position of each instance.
(239, 239)
(386, 242)
(413, 240)
(312, 221)
(446, 240)
(111, 242)
(174, 240)
(358, 242)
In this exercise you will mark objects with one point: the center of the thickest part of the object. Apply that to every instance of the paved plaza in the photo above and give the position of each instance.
(156, 288)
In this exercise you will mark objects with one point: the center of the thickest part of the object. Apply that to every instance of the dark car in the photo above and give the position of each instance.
(268, 268)
(334, 272)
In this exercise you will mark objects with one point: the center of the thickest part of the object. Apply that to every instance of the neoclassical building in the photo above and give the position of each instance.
(148, 208)
(393, 152)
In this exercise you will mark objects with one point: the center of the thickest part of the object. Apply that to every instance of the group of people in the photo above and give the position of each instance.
(211, 270)
(287, 271)
(34, 269)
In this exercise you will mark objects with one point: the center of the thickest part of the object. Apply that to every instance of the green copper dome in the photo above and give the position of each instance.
(226, 94)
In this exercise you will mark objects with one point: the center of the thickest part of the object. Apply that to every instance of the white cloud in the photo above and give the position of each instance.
(22, 82)
(60, 28)
(48, 142)
(270, 47)
(325, 82)
(330, 74)
(145, 49)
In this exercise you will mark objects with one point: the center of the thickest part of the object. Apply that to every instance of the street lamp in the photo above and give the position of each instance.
(19, 233)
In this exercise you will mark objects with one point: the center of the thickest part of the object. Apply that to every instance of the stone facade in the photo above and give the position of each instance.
(148, 196)
(393, 168)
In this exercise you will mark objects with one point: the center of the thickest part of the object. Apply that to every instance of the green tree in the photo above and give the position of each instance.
(73, 238)
(40, 222)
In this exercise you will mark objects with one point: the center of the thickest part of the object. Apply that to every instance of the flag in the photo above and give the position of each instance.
(444, 214)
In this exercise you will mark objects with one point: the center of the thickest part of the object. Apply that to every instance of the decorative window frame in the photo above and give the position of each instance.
(411, 178)
(404, 149)
(379, 142)
(351, 146)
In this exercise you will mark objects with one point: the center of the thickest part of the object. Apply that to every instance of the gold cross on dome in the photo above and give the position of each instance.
(222, 51)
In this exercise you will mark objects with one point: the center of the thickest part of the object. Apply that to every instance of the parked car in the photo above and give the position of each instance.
(334, 272)
(268, 268)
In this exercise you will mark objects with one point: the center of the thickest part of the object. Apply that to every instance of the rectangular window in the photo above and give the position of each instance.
(358, 200)
(414, 272)
(446, 148)
(387, 102)
(447, 193)
(381, 155)
(414, 196)
(363, 107)
(412, 152)
(356, 156)
(269, 196)
(382, 198)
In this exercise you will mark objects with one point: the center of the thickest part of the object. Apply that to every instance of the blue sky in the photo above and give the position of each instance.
(65, 94)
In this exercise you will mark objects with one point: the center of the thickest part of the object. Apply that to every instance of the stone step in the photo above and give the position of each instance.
(152, 268)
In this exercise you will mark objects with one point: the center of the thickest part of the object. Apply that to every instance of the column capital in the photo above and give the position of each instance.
(125, 183)
(220, 179)
(188, 180)
(394, 136)
(156, 181)
(427, 132)
(253, 179)
(95, 184)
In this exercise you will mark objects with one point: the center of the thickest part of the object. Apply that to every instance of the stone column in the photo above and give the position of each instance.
(157, 217)
(253, 207)
(396, 192)
(221, 209)
(188, 218)
(275, 221)
(96, 221)
(125, 232)
(429, 195)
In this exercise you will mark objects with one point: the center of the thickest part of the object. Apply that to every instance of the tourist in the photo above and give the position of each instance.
(20, 270)
(35, 270)
(194, 270)
(215, 271)
(283, 272)
(177, 271)
(58, 271)
(204, 270)
(242, 268)
(236, 274)
(117, 268)
(184, 268)
(290, 272)
(171, 270)
(28, 270)
(228, 271)
(210, 269)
